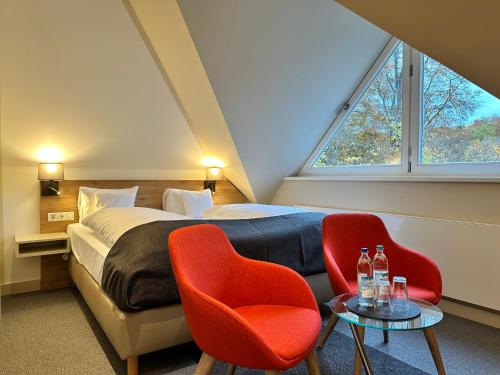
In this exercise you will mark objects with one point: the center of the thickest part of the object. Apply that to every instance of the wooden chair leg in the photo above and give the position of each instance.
(205, 365)
(133, 365)
(386, 336)
(230, 369)
(430, 336)
(357, 356)
(312, 363)
(329, 328)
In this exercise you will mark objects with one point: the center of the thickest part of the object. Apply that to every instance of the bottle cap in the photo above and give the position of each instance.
(364, 249)
(380, 247)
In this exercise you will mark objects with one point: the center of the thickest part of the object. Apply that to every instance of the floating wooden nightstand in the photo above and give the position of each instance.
(33, 245)
(49, 247)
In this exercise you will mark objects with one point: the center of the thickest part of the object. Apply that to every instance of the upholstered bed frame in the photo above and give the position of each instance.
(136, 333)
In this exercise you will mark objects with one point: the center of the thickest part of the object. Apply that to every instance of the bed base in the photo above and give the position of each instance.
(136, 333)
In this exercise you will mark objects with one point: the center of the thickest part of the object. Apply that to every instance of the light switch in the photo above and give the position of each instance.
(61, 216)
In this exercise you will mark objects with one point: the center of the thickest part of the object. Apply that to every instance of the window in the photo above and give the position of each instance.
(371, 133)
(461, 122)
(412, 115)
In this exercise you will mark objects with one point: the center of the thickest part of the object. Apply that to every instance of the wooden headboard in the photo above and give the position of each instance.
(150, 194)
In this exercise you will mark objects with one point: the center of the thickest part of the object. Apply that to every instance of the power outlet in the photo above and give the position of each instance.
(61, 216)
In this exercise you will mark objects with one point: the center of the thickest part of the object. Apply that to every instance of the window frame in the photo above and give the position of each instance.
(465, 169)
(343, 113)
(411, 131)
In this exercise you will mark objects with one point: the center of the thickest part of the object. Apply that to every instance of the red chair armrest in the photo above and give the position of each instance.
(419, 269)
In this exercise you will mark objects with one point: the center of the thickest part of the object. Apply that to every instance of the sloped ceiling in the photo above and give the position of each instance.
(162, 27)
(462, 35)
(279, 70)
(76, 75)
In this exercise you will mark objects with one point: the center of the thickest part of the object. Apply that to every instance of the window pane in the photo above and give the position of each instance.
(371, 134)
(461, 122)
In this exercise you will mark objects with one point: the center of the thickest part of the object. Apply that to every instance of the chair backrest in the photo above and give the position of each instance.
(345, 234)
(202, 258)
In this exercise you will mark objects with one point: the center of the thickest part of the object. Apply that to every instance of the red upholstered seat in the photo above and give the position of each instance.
(241, 311)
(274, 322)
(345, 234)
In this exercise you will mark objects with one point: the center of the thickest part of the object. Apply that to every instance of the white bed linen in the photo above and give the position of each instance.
(248, 211)
(89, 249)
(111, 223)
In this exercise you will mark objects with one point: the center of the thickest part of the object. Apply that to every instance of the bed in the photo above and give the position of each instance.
(138, 331)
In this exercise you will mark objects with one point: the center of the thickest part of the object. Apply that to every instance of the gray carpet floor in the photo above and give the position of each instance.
(55, 333)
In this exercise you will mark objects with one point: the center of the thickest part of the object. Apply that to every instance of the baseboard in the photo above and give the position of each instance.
(472, 312)
(20, 287)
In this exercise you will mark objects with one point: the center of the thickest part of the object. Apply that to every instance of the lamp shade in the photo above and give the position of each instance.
(214, 174)
(50, 172)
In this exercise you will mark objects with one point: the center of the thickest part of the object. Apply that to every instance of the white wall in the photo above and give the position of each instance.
(76, 75)
(280, 69)
(466, 201)
(458, 247)
(465, 245)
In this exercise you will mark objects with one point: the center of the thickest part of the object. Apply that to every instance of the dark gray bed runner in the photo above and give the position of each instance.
(138, 275)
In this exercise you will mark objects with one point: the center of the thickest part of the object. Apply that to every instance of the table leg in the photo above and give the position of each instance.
(430, 336)
(329, 328)
(358, 334)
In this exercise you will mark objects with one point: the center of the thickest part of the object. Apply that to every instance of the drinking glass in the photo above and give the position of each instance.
(399, 288)
(383, 293)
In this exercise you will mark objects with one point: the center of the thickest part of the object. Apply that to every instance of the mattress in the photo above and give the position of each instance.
(88, 249)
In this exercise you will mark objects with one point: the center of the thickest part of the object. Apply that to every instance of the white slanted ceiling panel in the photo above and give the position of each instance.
(280, 69)
(162, 27)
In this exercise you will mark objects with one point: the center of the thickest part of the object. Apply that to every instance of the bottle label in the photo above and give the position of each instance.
(367, 293)
(380, 275)
(362, 277)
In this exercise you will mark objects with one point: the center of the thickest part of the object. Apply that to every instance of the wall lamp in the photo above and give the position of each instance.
(213, 174)
(49, 175)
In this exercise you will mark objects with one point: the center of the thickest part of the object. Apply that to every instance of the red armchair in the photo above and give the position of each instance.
(343, 237)
(241, 311)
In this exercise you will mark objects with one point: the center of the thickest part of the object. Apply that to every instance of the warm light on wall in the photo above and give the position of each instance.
(49, 155)
(210, 161)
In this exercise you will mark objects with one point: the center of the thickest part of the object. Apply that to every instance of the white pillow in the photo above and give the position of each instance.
(86, 202)
(106, 198)
(195, 202)
(87, 199)
(172, 201)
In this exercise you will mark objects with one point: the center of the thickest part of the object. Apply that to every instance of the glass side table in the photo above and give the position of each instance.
(429, 317)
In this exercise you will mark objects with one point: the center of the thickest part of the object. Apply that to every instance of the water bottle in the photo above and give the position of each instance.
(380, 266)
(366, 286)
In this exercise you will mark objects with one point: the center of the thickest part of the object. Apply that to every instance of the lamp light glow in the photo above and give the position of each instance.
(50, 172)
(50, 168)
(214, 174)
(210, 161)
(49, 155)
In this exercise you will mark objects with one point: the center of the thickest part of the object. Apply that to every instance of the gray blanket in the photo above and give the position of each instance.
(138, 275)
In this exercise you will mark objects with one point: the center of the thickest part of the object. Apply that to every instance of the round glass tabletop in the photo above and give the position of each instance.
(430, 316)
